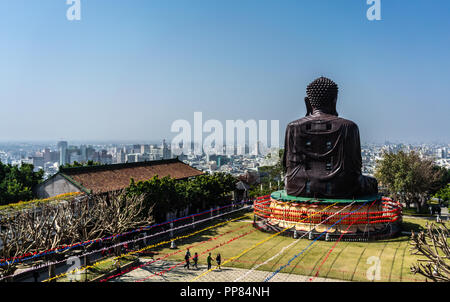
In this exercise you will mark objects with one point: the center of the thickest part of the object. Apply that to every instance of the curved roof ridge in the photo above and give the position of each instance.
(94, 168)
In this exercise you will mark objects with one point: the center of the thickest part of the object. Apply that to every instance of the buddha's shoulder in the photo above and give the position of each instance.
(338, 121)
(297, 122)
(347, 122)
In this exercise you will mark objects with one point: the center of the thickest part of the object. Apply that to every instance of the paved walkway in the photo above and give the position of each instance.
(226, 274)
(444, 216)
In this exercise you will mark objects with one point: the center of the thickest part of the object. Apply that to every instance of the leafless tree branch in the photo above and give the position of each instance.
(433, 245)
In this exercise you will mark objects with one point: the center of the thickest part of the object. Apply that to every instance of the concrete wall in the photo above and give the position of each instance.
(55, 186)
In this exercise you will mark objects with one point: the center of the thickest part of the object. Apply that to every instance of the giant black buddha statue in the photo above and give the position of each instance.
(322, 155)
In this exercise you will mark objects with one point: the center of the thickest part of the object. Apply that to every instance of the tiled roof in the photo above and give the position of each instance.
(105, 178)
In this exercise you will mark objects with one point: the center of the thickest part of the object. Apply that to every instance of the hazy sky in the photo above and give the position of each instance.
(128, 69)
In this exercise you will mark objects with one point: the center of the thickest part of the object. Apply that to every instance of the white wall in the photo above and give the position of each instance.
(55, 186)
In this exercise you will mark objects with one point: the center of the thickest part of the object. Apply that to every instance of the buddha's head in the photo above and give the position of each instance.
(322, 96)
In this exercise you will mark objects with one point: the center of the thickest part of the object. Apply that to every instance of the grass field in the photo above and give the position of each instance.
(347, 261)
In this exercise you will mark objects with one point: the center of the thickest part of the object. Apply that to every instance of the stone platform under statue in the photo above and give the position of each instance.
(282, 196)
(373, 217)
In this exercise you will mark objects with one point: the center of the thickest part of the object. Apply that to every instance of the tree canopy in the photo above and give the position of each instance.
(77, 164)
(271, 177)
(407, 177)
(443, 193)
(168, 195)
(17, 182)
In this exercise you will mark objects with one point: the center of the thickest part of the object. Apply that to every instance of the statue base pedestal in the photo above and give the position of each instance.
(372, 217)
(283, 196)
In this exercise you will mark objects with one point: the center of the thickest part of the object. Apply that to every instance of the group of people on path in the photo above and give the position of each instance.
(187, 258)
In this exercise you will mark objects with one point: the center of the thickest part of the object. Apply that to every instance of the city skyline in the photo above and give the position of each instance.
(101, 80)
(63, 152)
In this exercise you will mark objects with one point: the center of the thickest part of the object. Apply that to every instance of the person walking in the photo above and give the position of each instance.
(117, 265)
(218, 260)
(195, 260)
(187, 258)
(208, 261)
(36, 275)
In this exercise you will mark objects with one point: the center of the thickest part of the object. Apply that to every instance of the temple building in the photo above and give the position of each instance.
(107, 178)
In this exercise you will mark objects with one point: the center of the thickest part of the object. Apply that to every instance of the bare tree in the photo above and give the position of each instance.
(88, 223)
(50, 226)
(433, 244)
(15, 240)
(41, 228)
(121, 212)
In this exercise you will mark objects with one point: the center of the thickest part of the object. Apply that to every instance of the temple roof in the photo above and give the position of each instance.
(106, 178)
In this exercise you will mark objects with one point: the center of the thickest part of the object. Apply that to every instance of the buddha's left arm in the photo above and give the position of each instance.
(354, 140)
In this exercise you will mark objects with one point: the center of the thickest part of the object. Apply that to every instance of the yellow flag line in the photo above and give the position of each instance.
(138, 251)
(258, 244)
(288, 246)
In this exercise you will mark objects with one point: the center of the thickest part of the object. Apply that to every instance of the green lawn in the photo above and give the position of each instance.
(348, 261)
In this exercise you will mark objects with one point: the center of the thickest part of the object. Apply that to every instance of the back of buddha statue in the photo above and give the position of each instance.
(322, 156)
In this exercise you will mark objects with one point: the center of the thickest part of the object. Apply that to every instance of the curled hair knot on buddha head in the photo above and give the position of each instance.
(322, 95)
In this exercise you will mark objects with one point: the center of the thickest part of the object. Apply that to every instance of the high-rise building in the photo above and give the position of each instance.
(74, 156)
(145, 149)
(121, 156)
(132, 158)
(136, 148)
(83, 153)
(63, 156)
(104, 157)
(166, 154)
(47, 155)
(54, 156)
(38, 162)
